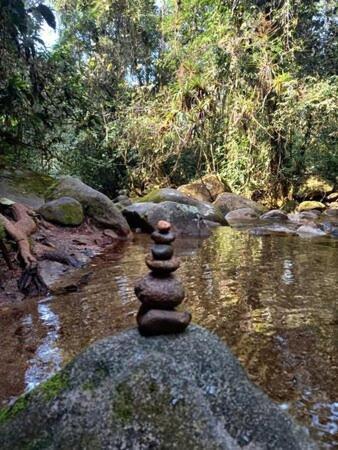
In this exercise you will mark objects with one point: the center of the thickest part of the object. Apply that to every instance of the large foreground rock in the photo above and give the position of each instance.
(64, 211)
(170, 392)
(185, 219)
(205, 209)
(228, 202)
(205, 189)
(95, 204)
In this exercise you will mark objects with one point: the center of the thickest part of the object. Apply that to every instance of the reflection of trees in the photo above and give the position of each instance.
(273, 301)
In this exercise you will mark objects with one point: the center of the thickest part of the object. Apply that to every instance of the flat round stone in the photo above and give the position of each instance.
(162, 252)
(162, 267)
(156, 322)
(163, 226)
(160, 238)
(159, 293)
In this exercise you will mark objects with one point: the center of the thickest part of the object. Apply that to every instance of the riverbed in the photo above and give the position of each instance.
(272, 299)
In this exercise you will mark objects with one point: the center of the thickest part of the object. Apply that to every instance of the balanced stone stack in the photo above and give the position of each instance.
(160, 292)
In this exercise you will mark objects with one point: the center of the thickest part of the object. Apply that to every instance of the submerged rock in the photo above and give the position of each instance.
(130, 392)
(230, 202)
(64, 211)
(273, 230)
(310, 230)
(95, 204)
(205, 189)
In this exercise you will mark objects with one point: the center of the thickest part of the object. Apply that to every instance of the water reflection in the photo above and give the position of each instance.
(47, 358)
(273, 300)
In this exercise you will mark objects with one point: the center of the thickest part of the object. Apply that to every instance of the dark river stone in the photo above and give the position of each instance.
(159, 293)
(162, 252)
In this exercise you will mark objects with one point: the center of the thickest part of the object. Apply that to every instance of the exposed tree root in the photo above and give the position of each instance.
(30, 282)
(6, 256)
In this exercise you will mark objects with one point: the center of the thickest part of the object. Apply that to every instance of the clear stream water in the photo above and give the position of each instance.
(273, 300)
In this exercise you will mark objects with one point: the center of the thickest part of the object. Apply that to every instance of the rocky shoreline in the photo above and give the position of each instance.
(76, 222)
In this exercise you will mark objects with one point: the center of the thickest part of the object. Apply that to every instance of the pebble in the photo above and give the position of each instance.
(160, 238)
(162, 252)
(159, 293)
(162, 268)
(156, 322)
(163, 226)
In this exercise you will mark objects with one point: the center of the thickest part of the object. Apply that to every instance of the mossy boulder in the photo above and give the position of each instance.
(25, 186)
(314, 187)
(185, 219)
(64, 211)
(95, 204)
(126, 392)
(309, 205)
(230, 202)
(206, 189)
(206, 211)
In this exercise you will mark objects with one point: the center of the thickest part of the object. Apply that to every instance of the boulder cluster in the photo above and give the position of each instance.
(160, 292)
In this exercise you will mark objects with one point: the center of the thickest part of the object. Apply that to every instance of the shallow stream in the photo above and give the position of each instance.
(273, 300)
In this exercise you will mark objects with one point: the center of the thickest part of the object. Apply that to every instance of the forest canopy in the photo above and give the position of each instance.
(142, 93)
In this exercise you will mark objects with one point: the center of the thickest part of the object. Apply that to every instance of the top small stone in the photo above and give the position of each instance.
(163, 226)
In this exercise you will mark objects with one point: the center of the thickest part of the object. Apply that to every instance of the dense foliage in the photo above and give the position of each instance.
(140, 93)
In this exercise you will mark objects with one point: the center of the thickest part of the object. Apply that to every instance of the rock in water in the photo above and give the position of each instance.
(274, 215)
(186, 219)
(228, 202)
(240, 216)
(182, 391)
(160, 292)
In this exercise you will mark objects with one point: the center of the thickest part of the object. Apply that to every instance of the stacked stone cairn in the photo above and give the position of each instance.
(160, 292)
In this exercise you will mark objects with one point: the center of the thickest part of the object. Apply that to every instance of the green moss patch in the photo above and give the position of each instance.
(54, 386)
(153, 197)
(9, 412)
(123, 405)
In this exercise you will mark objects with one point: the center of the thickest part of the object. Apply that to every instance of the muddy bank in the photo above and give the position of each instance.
(79, 245)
